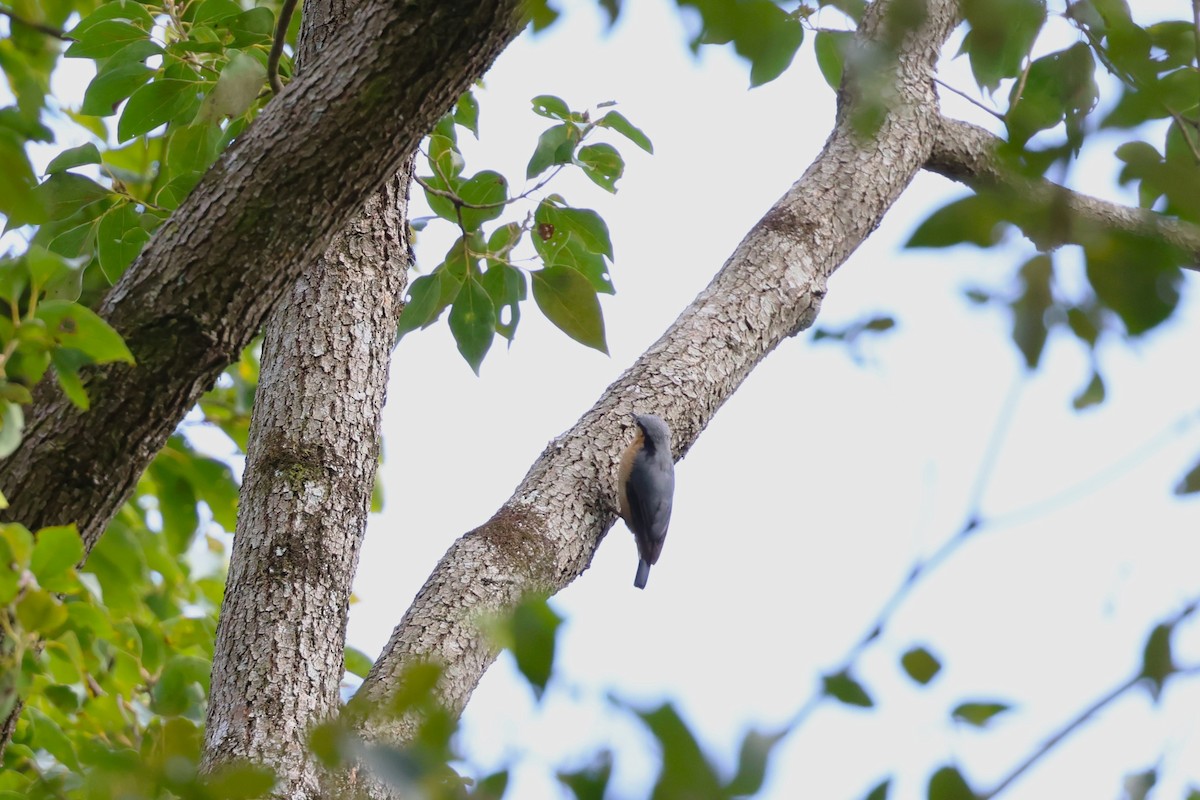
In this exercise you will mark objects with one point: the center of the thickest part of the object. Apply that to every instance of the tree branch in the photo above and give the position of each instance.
(207, 279)
(49, 30)
(966, 153)
(770, 288)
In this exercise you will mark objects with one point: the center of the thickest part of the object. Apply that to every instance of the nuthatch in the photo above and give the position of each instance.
(645, 484)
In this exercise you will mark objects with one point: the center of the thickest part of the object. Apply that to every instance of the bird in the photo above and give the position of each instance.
(645, 486)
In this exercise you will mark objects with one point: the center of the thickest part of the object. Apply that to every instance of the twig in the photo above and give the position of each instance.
(924, 566)
(1093, 482)
(1061, 734)
(1087, 713)
(281, 29)
(970, 99)
(1020, 85)
(49, 30)
(458, 201)
(1183, 130)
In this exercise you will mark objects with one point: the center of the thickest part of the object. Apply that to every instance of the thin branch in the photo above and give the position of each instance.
(460, 203)
(281, 29)
(1110, 697)
(969, 99)
(924, 566)
(1094, 482)
(1183, 131)
(49, 30)
(1063, 733)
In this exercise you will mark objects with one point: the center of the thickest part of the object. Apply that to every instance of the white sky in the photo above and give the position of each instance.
(812, 492)
(817, 486)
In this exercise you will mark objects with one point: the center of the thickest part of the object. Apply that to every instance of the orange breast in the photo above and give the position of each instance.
(627, 457)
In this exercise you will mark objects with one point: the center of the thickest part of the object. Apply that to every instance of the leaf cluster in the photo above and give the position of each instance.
(483, 279)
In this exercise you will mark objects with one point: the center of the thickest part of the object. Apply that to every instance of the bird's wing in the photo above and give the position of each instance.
(649, 493)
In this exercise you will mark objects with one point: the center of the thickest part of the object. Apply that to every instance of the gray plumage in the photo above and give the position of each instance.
(646, 487)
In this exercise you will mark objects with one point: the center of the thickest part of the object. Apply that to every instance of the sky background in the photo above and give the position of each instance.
(820, 483)
(816, 487)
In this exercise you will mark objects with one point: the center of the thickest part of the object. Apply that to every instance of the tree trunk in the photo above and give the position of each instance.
(306, 491)
(769, 289)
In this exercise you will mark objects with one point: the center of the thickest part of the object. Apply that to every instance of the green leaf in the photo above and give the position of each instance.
(65, 193)
(686, 773)
(357, 662)
(427, 298)
(466, 113)
(157, 103)
(47, 735)
(171, 695)
(1029, 308)
(831, 48)
(534, 630)
(752, 762)
(505, 285)
(842, 687)
(761, 32)
(79, 328)
(473, 323)
(487, 188)
(1136, 276)
(978, 714)
(880, 792)
(241, 80)
(977, 219)
(66, 370)
(602, 163)
(1157, 663)
(16, 549)
(112, 85)
(16, 182)
(948, 784)
(589, 226)
(57, 550)
(104, 39)
(40, 612)
(1060, 86)
(1002, 33)
(128, 10)
(192, 149)
(547, 105)
(1189, 483)
(617, 122)
(921, 665)
(74, 157)
(1090, 395)
(119, 238)
(569, 301)
(253, 27)
(591, 782)
(555, 146)
(12, 425)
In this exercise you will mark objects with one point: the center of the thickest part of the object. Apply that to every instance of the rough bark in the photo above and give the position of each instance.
(770, 288)
(967, 153)
(208, 278)
(306, 491)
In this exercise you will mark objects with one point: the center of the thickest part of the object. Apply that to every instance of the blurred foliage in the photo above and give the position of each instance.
(111, 658)
(481, 279)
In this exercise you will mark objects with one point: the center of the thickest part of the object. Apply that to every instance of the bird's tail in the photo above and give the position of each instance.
(642, 574)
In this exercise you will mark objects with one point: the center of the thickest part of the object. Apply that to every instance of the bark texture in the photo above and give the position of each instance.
(208, 278)
(769, 289)
(311, 461)
(967, 153)
(306, 491)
